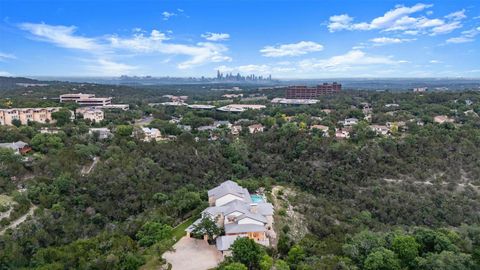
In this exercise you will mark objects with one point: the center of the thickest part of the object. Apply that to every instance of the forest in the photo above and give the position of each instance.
(406, 201)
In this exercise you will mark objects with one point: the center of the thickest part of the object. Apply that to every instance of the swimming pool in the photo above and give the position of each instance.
(257, 199)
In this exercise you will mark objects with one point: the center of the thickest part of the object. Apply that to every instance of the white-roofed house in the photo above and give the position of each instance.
(232, 208)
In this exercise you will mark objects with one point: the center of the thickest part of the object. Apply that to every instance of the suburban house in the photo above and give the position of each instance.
(239, 214)
(255, 128)
(380, 130)
(222, 124)
(322, 128)
(151, 134)
(17, 147)
(103, 133)
(342, 133)
(92, 114)
(442, 119)
(400, 125)
(350, 121)
(236, 129)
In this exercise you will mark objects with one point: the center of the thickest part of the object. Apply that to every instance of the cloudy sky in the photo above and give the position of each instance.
(288, 39)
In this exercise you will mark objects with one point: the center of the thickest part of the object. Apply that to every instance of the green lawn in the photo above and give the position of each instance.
(153, 260)
(179, 231)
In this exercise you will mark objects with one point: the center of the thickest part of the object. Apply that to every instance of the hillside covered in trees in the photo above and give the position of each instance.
(409, 200)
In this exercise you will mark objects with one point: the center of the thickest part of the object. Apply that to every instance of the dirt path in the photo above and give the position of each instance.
(19, 220)
(87, 170)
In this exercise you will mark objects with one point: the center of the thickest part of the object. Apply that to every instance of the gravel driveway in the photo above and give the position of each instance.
(193, 254)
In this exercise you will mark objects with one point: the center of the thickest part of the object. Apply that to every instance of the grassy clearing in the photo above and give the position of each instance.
(5, 200)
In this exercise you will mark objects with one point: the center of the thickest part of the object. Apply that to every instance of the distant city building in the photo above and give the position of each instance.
(25, 115)
(420, 89)
(176, 98)
(238, 78)
(86, 100)
(232, 95)
(305, 92)
(241, 107)
(201, 107)
(288, 101)
(74, 97)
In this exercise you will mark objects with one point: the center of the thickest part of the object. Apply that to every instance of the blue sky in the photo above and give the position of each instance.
(288, 39)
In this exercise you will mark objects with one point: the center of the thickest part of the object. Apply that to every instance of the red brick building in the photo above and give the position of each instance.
(305, 92)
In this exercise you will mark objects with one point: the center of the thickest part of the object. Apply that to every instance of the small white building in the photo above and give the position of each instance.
(350, 121)
(151, 134)
(255, 128)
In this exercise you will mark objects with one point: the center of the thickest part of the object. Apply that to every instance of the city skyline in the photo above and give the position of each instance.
(305, 39)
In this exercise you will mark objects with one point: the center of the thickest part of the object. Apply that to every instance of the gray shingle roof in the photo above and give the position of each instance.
(243, 228)
(229, 187)
(224, 242)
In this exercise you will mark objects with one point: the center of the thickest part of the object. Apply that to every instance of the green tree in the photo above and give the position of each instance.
(62, 117)
(246, 251)
(152, 232)
(281, 265)
(382, 259)
(406, 247)
(16, 122)
(208, 227)
(446, 260)
(235, 266)
(266, 263)
(295, 255)
(46, 142)
(124, 130)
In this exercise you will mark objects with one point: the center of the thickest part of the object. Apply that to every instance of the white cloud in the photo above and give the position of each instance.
(294, 49)
(386, 40)
(5, 73)
(390, 19)
(446, 28)
(167, 15)
(435, 62)
(106, 67)
(339, 22)
(457, 15)
(215, 36)
(6, 56)
(107, 47)
(400, 19)
(460, 40)
(466, 36)
(60, 35)
(346, 61)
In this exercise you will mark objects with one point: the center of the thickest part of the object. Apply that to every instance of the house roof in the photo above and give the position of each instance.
(229, 187)
(14, 145)
(253, 216)
(243, 228)
(224, 242)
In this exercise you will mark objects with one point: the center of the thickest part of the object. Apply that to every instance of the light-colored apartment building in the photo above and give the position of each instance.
(92, 114)
(40, 115)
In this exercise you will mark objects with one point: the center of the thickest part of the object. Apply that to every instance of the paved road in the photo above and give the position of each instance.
(144, 121)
